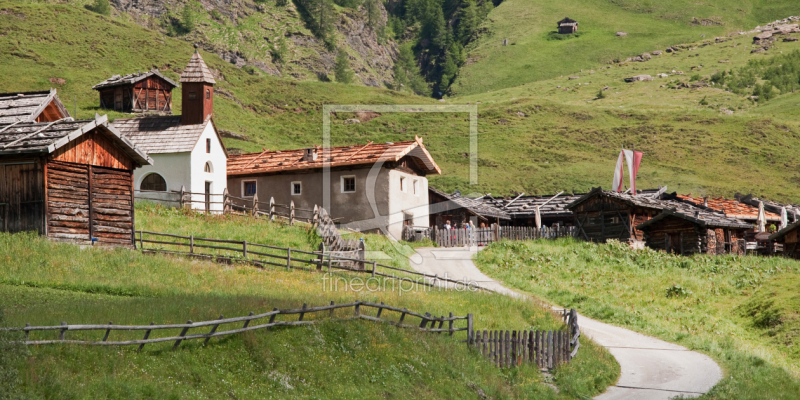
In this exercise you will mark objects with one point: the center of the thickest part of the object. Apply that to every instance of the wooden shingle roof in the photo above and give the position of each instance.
(46, 137)
(567, 22)
(731, 208)
(705, 219)
(130, 79)
(475, 206)
(161, 134)
(290, 160)
(644, 200)
(197, 71)
(526, 206)
(26, 106)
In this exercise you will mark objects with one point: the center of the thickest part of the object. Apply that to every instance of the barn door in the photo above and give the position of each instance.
(112, 210)
(68, 201)
(21, 197)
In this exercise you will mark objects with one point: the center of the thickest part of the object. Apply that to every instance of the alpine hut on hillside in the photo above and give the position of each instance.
(137, 92)
(44, 106)
(687, 231)
(790, 239)
(68, 180)
(601, 215)
(567, 25)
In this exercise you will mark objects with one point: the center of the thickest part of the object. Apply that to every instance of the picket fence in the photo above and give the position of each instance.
(459, 237)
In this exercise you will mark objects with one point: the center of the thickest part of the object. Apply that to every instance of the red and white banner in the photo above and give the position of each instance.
(633, 159)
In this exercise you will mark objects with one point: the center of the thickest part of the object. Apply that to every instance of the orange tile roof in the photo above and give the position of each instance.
(731, 208)
(291, 160)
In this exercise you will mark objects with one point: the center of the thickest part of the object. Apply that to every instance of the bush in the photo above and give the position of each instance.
(696, 77)
(704, 102)
(678, 291)
(601, 95)
(101, 7)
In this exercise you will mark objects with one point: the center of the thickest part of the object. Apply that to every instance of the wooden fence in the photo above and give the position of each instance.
(545, 349)
(483, 236)
(427, 323)
(229, 251)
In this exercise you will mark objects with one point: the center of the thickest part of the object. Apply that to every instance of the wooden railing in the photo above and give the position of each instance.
(222, 250)
(427, 323)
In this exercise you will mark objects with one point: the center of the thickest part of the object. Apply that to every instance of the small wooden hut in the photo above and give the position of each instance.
(567, 25)
(68, 180)
(137, 92)
(686, 231)
(602, 215)
(458, 210)
(790, 239)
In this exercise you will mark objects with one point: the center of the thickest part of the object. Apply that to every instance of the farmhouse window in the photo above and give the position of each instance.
(154, 182)
(208, 94)
(402, 184)
(208, 145)
(297, 188)
(416, 187)
(208, 167)
(348, 184)
(249, 188)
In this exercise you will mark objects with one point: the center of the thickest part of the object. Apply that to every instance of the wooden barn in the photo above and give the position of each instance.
(567, 25)
(602, 215)
(687, 231)
(790, 239)
(44, 106)
(551, 208)
(138, 92)
(458, 210)
(68, 180)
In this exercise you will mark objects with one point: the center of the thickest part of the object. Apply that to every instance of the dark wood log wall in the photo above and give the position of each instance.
(791, 247)
(675, 235)
(112, 200)
(600, 219)
(68, 213)
(21, 196)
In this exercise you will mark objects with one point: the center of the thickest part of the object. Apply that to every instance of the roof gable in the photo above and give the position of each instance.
(130, 79)
(28, 106)
(47, 137)
(371, 153)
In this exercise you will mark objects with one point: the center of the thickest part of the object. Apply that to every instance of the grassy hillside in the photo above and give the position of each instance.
(742, 311)
(534, 53)
(562, 139)
(46, 283)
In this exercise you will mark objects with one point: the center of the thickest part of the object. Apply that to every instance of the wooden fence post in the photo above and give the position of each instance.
(321, 257)
(191, 244)
(470, 333)
(291, 212)
(226, 202)
(272, 317)
(374, 263)
(213, 329)
(27, 332)
(247, 321)
(255, 205)
(380, 310)
(183, 333)
(302, 314)
(362, 255)
(450, 325)
(244, 248)
(146, 335)
(402, 316)
(357, 310)
(331, 313)
(424, 321)
(315, 217)
(288, 258)
(108, 331)
(272, 209)
(63, 332)
(183, 195)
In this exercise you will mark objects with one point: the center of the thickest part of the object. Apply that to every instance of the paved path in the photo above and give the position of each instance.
(651, 369)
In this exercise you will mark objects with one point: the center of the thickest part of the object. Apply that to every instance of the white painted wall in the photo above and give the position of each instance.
(219, 175)
(187, 170)
(407, 201)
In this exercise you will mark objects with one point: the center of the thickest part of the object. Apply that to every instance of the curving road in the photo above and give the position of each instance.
(651, 369)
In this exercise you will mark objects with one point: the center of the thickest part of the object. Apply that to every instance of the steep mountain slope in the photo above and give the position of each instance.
(535, 52)
(541, 137)
(270, 36)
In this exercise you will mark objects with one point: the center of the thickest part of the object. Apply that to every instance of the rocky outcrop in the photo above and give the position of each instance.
(276, 29)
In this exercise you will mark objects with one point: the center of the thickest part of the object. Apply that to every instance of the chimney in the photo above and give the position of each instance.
(310, 154)
(197, 91)
(705, 201)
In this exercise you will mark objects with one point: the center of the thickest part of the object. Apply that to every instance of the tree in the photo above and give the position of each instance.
(373, 14)
(188, 17)
(407, 74)
(101, 7)
(467, 21)
(342, 68)
(601, 95)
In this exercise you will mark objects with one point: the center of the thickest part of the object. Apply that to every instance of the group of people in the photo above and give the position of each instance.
(466, 225)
